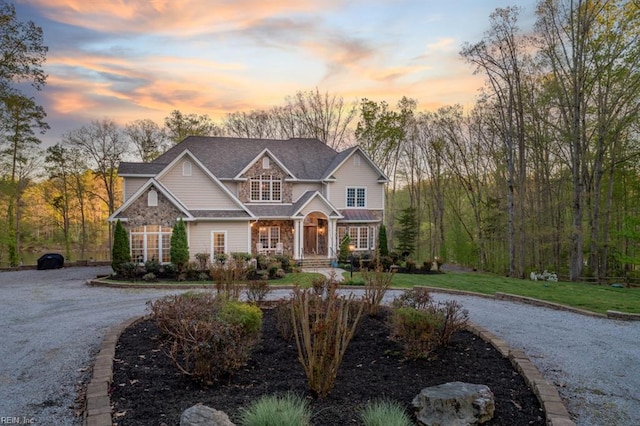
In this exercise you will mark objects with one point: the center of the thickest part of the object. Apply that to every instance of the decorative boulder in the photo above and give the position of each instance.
(454, 404)
(201, 415)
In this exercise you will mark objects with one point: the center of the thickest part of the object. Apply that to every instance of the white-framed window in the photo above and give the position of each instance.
(150, 242)
(266, 188)
(359, 237)
(152, 198)
(269, 237)
(218, 242)
(266, 163)
(186, 168)
(357, 197)
(342, 231)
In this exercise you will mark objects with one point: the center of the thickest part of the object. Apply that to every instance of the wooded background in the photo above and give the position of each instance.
(542, 173)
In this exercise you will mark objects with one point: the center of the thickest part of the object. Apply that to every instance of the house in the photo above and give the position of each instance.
(297, 197)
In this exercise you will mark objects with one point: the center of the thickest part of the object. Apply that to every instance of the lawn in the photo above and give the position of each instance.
(591, 297)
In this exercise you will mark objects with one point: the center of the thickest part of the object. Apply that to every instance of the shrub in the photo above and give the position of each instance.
(263, 261)
(410, 264)
(149, 277)
(439, 262)
(323, 329)
(385, 413)
(383, 246)
(202, 260)
(416, 330)
(220, 257)
(285, 410)
(421, 330)
(427, 265)
(344, 254)
(169, 271)
(386, 262)
(208, 336)
(273, 268)
(257, 290)
(120, 253)
(179, 250)
(286, 263)
(376, 284)
(241, 256)
(283, 319)
(228, 276)
(417, 298)
(128, 270)
(152, 266)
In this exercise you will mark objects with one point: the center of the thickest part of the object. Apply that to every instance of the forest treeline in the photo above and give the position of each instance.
(541, 173)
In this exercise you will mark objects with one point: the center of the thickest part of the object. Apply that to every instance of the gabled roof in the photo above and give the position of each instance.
(344, 156)
(226, 158)
(160, 188)
(258, 157)
(309, 196)
(214, 179)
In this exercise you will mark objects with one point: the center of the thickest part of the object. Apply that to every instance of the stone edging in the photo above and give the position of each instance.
(549, 398)
(98, 401)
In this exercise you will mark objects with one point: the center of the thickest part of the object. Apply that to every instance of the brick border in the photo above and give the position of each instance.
(98, 399)
(554, 408)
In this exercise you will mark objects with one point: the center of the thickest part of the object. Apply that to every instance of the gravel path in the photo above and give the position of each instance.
(52, 325)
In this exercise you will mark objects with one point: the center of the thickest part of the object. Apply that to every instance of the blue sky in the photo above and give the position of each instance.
(127, 59)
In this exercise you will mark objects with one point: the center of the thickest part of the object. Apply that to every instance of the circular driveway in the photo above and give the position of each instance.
(52, 325)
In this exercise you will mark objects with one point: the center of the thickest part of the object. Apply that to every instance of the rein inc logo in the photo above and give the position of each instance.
(10, 420)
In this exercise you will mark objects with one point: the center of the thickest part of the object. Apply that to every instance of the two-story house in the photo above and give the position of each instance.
(297, 197)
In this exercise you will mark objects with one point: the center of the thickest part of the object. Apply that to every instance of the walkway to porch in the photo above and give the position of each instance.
(327, 272)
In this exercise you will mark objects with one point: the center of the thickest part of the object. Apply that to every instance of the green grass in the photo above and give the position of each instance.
(272, 410)
(385, 413)
(591, 297)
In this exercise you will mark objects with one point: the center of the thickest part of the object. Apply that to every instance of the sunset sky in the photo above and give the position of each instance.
(128, 59)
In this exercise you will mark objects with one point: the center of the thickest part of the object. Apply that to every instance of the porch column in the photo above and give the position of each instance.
(332, 237)
(296, 239)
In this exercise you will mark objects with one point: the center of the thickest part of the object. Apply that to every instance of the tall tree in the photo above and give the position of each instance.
(147, 137)
(501, 57)
(104, 147)
(20, 118)
(60, 197)
(323, 116)
(179, 126)
(22, 52)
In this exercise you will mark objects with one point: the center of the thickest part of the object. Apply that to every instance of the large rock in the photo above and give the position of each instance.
(454, 404)
(201, 415)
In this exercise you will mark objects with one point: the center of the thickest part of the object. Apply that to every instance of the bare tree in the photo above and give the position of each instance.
(147, 137)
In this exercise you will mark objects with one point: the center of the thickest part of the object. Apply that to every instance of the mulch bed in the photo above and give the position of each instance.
(148, 390)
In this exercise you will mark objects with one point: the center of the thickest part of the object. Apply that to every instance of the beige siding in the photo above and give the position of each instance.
(301, 188)
(198, 191)
(349, 175)
(232, 187)
(131, 185)
(316, 205)
(200, 236)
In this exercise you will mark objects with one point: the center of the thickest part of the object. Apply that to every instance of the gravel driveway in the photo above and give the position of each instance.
(52, 325)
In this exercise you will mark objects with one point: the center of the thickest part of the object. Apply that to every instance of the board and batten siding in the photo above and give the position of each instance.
(359, 176)
(131, 185)
(238, 234)
(198, 191)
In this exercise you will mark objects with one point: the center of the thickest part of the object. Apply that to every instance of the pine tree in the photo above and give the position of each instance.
(383, 247)
(120, 253)
(179, 248)
(408, 231)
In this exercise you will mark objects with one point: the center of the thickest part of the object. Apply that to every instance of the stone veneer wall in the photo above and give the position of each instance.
(286, 236)
(244, 188)
(139, 213)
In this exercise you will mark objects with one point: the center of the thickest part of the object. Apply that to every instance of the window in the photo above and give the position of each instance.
(359, 237)
(269, 237)
(342, 231)
(356, 197)
(152, 198)
(150, 242)
(186, 168)
(266, 188)
(218, 242)
(266, 164)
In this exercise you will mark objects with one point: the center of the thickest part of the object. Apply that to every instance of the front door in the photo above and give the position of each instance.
(310, 240)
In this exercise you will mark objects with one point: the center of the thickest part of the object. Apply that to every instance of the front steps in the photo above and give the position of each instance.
(316, 262)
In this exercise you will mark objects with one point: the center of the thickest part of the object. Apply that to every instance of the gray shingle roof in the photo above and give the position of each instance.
(149, 169)
(226, 157)
(271, 210)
